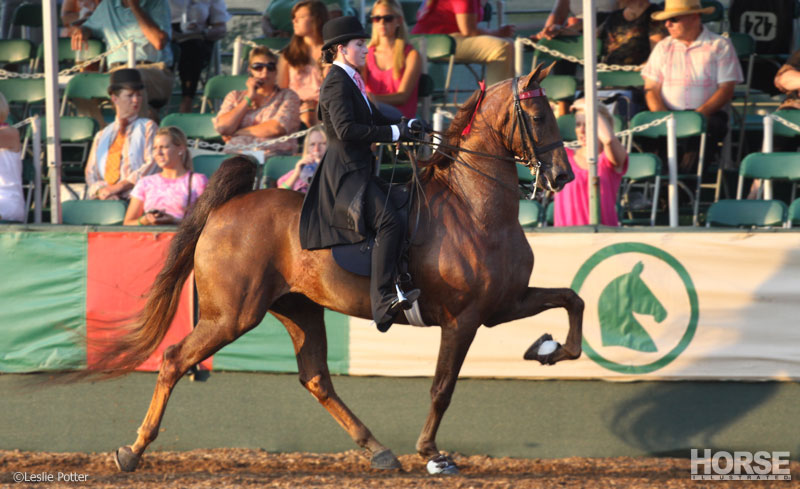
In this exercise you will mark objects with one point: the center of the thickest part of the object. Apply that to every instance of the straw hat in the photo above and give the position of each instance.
(675, 8)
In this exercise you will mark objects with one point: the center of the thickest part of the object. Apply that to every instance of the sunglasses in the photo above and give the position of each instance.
(271, 66)
(381, 18)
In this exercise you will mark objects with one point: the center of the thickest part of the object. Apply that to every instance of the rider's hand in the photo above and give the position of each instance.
(404, 126)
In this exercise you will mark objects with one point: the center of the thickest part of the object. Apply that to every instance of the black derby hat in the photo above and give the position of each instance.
(125, 78)
(341, 30)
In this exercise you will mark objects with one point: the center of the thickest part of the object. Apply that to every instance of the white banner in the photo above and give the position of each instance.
(695, 305)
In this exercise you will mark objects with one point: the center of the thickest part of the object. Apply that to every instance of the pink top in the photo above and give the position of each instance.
(381, 82)
(439, 16)
(572, 203)
(168, 194)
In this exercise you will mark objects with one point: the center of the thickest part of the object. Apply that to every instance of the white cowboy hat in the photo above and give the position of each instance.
(675, 8)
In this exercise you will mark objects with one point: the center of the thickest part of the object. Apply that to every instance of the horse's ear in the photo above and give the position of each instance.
(537, 75)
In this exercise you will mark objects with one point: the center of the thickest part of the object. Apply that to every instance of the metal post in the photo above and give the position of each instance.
(519, 54)
(438, 126)
(53, 130)
(767, 147)
(237, 55)
(590, 89)
(131, 54)
(362, 10)
(672, 163)
(36, 144)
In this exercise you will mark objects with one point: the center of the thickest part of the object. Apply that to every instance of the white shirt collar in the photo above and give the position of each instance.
(351, 72)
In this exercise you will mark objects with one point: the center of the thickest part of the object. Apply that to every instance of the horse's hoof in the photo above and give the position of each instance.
(442, 464)
(125, 459)
(385, 460)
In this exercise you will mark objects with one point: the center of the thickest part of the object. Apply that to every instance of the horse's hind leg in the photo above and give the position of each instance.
(206, 338)
(304, 320)
(536, 300)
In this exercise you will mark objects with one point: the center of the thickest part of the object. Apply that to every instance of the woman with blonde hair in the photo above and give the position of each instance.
(572, 203)
(12, 202)
(299, 67)
(165, 197)
(393, 65)
(314, 147)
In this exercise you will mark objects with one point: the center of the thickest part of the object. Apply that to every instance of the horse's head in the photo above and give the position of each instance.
(534, 133)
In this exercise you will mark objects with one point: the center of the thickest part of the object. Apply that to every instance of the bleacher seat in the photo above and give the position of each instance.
(746, 213)
(93, 212)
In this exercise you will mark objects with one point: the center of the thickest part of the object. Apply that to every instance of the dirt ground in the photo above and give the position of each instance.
(247, 468)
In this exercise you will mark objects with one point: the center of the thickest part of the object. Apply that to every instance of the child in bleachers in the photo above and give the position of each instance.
(166, 197)
(393, 66)
(299, 66)
(314, 147)
(12, 203)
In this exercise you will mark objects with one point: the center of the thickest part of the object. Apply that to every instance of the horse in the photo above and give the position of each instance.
(469, 256)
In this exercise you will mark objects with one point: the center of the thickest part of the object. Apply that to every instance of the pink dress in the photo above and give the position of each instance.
(168, 194)
(381, 82)
(572, 203)
(305, 81)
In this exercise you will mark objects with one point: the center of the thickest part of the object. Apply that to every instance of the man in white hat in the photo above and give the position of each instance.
(692, 69)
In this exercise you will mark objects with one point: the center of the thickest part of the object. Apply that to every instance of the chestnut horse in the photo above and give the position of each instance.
(469, 257)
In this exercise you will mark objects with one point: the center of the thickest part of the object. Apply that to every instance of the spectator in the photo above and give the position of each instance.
(164, 198)
(560, 23)
(261, 112)
(73, 11)
(12, 203)
(277, 19)
(393, 65)
(147, 23)
(629, 34)
(122, 152)
(460, 18)
(299, 66)
(692, 69)
(787, 80)
(196, 25)
(314, 147)
(572, 203)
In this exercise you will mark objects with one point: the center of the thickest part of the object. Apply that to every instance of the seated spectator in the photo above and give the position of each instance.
(572, 203)
(12, 202)
(314, 147)
(629, 34)
(277, 19)
(691, 69)
(459, 19)
(122, 152)
(299, 66)
(165, 197)
(261, 112)
(393, 65)
(787, 80)
(147, 23)
(196, 25)
(561, 23)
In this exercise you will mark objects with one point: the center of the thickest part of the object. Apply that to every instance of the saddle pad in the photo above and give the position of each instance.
(355, 258)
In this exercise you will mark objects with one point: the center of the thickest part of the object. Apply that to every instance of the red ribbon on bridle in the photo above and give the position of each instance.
(482, 85)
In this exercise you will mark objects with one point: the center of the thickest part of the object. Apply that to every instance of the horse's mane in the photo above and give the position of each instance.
(452, 135)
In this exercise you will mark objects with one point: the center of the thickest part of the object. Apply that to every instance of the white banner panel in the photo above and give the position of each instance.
(694, 305)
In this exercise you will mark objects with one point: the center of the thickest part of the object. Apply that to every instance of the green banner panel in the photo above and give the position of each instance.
(42, 300)
(268, 348)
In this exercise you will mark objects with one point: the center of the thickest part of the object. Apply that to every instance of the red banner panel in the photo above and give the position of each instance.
(122, 267)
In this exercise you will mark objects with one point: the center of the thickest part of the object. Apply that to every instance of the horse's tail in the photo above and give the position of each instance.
(122, 353)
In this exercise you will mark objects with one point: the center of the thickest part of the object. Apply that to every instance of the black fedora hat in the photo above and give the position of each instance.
(342, 29)
(125, 78)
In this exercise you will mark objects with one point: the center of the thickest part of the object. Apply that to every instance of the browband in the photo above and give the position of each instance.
(537, 92)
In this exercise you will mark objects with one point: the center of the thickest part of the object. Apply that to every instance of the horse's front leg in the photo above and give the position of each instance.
(455, 342)
(536, 300)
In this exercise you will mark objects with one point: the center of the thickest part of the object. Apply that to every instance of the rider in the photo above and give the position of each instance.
(346, 201)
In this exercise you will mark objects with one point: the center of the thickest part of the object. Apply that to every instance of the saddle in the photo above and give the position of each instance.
(357, 257)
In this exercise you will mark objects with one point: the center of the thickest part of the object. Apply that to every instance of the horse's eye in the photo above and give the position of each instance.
(538, 118)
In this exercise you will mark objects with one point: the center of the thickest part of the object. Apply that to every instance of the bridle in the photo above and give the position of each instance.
(530, 151)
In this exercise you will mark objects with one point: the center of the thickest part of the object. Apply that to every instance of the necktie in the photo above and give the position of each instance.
(114, 159)
(360, 83)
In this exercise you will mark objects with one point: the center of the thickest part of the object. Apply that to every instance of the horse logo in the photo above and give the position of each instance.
(620, 301)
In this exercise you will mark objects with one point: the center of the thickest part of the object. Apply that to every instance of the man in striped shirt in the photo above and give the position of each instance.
(692, 69)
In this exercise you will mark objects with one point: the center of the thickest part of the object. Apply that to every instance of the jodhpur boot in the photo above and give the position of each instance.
(402, 302)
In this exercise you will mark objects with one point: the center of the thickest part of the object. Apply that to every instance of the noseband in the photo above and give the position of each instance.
(530, 151)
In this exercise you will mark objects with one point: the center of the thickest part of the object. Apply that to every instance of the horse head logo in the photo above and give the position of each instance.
(624, 296)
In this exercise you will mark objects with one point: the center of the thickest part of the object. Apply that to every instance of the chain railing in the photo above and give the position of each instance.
(573, 59)
(627, 132)
(24, 122)
(791, 125)
(67, 71)
(219, 147)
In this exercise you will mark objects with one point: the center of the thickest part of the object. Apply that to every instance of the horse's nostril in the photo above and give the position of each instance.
(562, 179)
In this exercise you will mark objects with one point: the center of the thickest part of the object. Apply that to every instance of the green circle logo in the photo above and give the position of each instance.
(637, 331)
